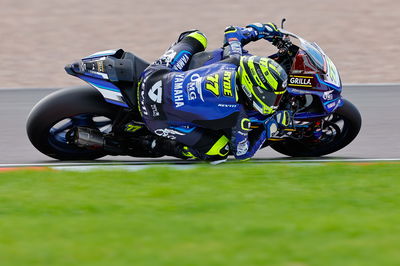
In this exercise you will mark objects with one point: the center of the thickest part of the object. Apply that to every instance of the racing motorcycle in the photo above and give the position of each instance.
(102, 119)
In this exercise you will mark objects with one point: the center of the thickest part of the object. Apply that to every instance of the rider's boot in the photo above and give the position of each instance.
(167, 147)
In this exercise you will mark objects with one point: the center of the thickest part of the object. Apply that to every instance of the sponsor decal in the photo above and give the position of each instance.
(212, 84)
(155, 93)
(132, 127)
(284, 83)
(242, 148)
(244, 134)
(299, 91)
(100, 66)
(236, 47)
(261, 75)
(194, 87)
(142, 105)
(260, 91)
(300, 81)
(248, 93)
(227, 105)
(155, 110)
(178, 90)
(227, 84)
(181, 61)
(327, 96)
(331, 105)
(332, 76)
(168, 133)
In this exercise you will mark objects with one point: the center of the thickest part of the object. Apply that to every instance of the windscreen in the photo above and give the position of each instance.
(319, 59)
(312, 49)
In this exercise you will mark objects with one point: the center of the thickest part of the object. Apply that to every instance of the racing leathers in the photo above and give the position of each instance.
(202, 111)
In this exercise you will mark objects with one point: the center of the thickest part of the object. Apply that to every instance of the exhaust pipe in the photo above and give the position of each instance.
(86, 138)
(92, 139)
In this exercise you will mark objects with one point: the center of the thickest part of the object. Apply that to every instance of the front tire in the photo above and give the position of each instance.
(345, 121)
(62, 110)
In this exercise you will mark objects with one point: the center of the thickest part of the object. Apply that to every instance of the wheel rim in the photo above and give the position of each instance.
(337, 131)
(335, 126)
(334, 131)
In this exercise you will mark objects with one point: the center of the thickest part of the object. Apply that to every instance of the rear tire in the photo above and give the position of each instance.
(351, 118)
(76, 106)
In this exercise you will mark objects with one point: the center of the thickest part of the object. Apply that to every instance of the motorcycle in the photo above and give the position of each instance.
(102, 119)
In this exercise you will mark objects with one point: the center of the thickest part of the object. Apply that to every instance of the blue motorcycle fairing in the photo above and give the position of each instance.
(92, 70)
(111, 93)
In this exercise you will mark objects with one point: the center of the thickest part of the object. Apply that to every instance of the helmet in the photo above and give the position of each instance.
(263, 81)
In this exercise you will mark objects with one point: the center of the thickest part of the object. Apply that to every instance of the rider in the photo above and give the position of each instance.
(203, 113)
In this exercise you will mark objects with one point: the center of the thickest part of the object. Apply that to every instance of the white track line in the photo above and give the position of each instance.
(171, 162)
(327, 160)
(88, 164)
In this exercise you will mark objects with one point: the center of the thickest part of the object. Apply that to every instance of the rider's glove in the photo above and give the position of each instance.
(239, 34)
(283, 118)
(267, 31)
(271, 127)
(279, 120)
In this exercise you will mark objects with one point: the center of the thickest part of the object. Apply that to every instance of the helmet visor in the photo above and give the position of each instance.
(268, 98)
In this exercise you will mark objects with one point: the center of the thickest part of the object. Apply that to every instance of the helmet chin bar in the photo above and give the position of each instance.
(251, 103)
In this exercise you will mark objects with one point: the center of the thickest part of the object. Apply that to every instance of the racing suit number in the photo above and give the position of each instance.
(212, 84)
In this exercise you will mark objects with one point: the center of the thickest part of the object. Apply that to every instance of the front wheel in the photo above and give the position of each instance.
(55, 115)
(340, 128)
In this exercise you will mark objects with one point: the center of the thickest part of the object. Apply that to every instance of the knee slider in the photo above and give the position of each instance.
(220, 149)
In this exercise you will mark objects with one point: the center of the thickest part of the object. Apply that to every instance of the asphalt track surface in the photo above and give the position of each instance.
(378, 139)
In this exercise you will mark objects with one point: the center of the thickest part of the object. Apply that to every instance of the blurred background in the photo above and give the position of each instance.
(39, 37)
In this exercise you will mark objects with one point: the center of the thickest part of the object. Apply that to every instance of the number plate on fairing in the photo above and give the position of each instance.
(332, 75)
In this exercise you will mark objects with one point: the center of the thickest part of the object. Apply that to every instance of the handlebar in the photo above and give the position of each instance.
(282, 43)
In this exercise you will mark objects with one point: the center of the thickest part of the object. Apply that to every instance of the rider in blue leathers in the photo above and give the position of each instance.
(203, 113)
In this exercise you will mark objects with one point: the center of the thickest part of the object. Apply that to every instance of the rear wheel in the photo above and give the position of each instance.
(339, 129)
(55, 115)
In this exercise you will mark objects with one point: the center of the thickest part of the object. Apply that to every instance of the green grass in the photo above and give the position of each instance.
(241, 214)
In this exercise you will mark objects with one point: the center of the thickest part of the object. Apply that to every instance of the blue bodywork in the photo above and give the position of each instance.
(99, 79)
